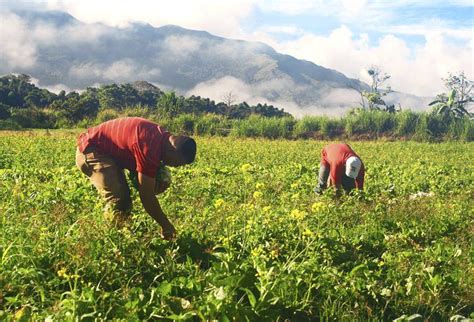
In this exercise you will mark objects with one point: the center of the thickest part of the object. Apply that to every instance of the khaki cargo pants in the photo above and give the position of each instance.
(109, 179)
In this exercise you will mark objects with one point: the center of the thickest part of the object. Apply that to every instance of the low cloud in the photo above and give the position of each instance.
(125, 70)
(57, 88)
(21, 40)
(181, 46)
(335, 102)
(18, 45)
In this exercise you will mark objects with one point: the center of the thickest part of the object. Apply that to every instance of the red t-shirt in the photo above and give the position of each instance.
(335, 156)
(134, 143)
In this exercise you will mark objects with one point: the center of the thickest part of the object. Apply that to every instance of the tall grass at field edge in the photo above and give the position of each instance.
(355, 125)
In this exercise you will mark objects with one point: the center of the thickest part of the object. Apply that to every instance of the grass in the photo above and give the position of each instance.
(253, 241)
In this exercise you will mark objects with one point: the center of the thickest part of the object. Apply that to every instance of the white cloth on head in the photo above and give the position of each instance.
(353, 165)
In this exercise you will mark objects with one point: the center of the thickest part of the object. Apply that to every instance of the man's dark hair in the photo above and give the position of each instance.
(187, 148)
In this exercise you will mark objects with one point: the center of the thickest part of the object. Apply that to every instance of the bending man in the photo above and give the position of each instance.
(340, 167)
(136, 144)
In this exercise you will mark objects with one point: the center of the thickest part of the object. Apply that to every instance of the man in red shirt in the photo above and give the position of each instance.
(342, 166)
(139, 145)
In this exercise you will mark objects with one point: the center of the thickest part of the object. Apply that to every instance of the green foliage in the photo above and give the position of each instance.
(257, 126)
(9, 125)
(210, 124)
(450, 105)
(170, 105)
(254, 243)
(455, 102)
(18, 92)
(37, 108)
(331, 127)
(106, 115)
(307, 126)
(406, 123)
(34, 118)
(373, 99)
(4, 111)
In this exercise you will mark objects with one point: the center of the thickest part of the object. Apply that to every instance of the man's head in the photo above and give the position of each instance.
(179, 150)
(353, 165)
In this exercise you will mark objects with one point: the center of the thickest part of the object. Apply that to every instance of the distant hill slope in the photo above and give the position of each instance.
(77, 55)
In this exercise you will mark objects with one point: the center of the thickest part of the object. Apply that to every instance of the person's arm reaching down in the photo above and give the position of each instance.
(359, 181)
(146, 188)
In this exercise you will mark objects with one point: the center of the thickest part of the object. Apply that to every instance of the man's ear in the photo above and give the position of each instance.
(174, 141)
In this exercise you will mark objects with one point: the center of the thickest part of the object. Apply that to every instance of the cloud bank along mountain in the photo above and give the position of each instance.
(62, 52)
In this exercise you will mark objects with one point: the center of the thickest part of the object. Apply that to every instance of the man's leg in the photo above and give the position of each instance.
(322, 179)
(109, 179)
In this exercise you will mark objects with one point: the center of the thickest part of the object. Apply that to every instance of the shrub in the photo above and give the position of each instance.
(406, 123)
(106, 115)
(9, 125)
(331, 127)
(468, 130)
(34, 118)
(184, 123)
(209, 124)
(307, 126)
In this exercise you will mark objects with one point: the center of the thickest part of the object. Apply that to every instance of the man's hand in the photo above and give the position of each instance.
(168, 233)
(161, 186)
(146, 188)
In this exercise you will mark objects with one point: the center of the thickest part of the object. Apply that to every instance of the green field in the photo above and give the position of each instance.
(254, 242)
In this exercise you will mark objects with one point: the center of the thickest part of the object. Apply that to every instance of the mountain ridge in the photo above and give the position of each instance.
(78, 55)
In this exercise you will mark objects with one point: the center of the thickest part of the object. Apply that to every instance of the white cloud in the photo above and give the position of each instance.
(56, 88)
(181, 46)
(19, 41)
(119, 71)
(281, 29)
(416, 71)
(219, 17)
(17, 48)
(334, 104)
(122, 69)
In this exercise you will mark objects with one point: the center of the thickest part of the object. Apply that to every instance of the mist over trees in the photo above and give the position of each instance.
(23, 105)
(17, 94)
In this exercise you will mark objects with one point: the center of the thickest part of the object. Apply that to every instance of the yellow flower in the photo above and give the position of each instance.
(259, 186)
(257, 194)
(318, 206)
(294, 185)
(256, 252)
(274, 253)
(307, 233)
(219, 203)
(63, 273)
(266, 209)
(246, 167)
(248, 206)
(297, 214)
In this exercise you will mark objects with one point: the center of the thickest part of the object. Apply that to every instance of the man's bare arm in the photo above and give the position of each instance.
(146, 188)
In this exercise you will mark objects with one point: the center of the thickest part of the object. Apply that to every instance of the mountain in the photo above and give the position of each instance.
(64, 52)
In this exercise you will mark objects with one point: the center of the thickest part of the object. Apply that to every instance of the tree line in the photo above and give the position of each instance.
(23, 105)
(19, 97)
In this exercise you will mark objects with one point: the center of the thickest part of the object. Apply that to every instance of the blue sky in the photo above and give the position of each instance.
(458, 16)
(418, 42)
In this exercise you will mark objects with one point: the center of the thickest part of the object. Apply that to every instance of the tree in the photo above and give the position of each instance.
(373, 99)
(229, 99)
(456, 101)
(461, 84)
(169, 104)
(450, 105)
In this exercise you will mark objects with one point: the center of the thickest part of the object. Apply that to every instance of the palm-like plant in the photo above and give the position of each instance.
(450, 105)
